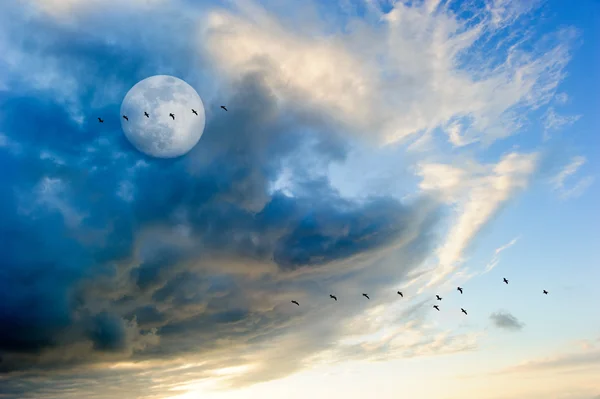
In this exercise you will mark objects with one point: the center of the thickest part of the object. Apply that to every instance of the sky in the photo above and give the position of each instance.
(369, 147)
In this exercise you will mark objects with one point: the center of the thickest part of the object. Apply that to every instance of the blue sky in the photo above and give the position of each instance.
(368, 147)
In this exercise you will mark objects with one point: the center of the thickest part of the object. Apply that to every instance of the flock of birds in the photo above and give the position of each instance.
(436, 307)
(147, 115)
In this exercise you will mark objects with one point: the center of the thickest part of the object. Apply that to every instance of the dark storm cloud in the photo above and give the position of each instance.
(199, 256)
(506, 321)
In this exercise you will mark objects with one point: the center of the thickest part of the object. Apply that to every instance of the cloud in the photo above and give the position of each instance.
(506, 321)
(145, 274)
(576, 190)
(477, 192)
(554, 121)
(496, 258)
(175, 251)
(180, 260)
(66, 9)
(566, 361)
(419, 67)
(561, 98)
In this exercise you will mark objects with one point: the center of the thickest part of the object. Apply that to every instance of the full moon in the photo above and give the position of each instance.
(158, 134)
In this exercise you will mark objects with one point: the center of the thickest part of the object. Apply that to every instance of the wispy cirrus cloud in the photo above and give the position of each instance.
(496, 258)
(577, 189)
(476, 192)
(583, 360)
(554, 121)
(421, 67)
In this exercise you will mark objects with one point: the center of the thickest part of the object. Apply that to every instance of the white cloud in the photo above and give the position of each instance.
(554, 121)
(496, 258)
(7, 144)
(476, 192)
(50, 193)
(577, 189)
(65, 8)
(454, 131)
(561, 98)
(407, 74)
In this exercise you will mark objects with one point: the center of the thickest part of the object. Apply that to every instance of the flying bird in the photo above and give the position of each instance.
(172, 116)
(366, 296)
(125, 117)
(436, 307)
(222, 106)
(439, 298)
(545, 292)
(332, 297)
(399, 293)
(296, 303)
(194, 111)
(464, 311)
(459, 289)
(505, 280)
(146, 114)
(100, 120)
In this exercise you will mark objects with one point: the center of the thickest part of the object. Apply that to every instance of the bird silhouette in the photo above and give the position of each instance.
(545, 292)
(464, 311)
(125, 117)
(436, 307)
(505, 280)
(172, 116)
(100, 120)
(439, 298)
(296, 303)
(222, 106)
(399, 293)
(194, 111)
(333, 297)
(366, 296)
(459, 289)
(146, 114)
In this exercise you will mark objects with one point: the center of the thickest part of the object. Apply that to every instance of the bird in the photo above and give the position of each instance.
(399, 293)
(146, 114)
(100, 120)
(439, 298)
(194, 111)
(505, 280)
(172, 116)
(296, 303)
(333, 297)
(366, 296)
(545, 292)
(125, 117)
(436, 307)
(222, 106)
(459, 289)
(464, 311)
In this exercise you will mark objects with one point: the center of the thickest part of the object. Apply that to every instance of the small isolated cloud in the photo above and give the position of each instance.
(561, 98)
(506, 321)
(496, 258)
(578, 188)
(554, 121)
